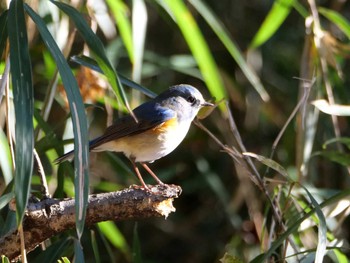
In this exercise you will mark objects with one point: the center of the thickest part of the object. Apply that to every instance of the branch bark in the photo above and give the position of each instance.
(50, 216)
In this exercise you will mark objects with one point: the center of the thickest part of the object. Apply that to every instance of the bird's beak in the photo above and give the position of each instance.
(207, 104)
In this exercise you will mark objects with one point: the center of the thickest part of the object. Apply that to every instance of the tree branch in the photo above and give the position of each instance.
(50, 216)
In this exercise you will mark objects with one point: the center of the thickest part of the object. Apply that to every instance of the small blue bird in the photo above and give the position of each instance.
(162, 124)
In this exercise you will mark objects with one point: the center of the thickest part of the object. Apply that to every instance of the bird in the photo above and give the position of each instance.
(161, 125)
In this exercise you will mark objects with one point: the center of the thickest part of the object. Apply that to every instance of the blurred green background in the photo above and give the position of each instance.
(268, 60)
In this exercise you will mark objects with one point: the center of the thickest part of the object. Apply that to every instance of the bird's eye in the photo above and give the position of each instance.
(191, 100)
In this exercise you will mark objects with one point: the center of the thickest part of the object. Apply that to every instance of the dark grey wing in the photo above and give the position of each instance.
(149, 115)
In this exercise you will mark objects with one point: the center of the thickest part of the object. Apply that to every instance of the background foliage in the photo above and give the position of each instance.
(280, 191)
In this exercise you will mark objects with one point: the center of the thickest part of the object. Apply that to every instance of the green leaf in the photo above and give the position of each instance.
(3, 31)
(97, 49)
(296, 223)
(78, 252)
(90, 63)
(340, 256)
(337, 19)
(269, 163)
(65, 260)
(274, 19)
(136, 247)
(336, 156)
(50, 140)
(343, 140)
(21, 73)
(94, 246)
(81, 141)
(121, 13)
(5, 199)
(112, 233)
(139, 28)
(332, 109)
(322, 229)
(227, 258)
(231, 46)
(4, 259)
(5, 158)
(56, 250)
(198, 47)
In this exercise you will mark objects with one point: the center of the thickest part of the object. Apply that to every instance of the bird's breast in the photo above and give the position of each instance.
(153, 143)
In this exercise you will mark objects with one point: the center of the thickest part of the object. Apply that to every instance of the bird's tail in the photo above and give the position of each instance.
(69, 156)
(66, 157)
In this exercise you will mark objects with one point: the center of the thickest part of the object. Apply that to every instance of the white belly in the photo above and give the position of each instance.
(148, 146)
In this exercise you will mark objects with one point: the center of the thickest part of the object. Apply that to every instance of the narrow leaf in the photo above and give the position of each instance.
(92, 64)
(78, 252)
(3, 31)
(97, 49)
(322, 229)
(112, 233)
(81, 141)
(336, 156)
(65, 260)
(273, 21)
(54, 251)
(136, 246)
(139, 27)
(343, 140)
(4, 259)
(121, 13)
(5, 199)
(269, 163)
(337, 19)
(198, 47)
(231, 46)
(21, 73)
(97, 257)
(296, 223)
(5, 158)
(334, 109)
(9, 224)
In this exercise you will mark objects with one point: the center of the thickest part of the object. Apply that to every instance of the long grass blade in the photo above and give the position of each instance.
(219, 29)
(21, 73)
(112, 233)
(120, 12)
(322, 229)
(337, 19)
(81, 141)
(5, 158)
(269, 163)
(198, 46)
(296, 223)
(97, 49)
(5, 199)
(272, 22)
(139, 26)
(78, 252)
(136, 246)
(92, 64)
(3, 31)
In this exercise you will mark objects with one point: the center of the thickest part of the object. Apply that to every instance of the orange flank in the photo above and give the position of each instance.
(169, 124)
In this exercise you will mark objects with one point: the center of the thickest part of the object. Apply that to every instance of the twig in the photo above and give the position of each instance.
(301, 102)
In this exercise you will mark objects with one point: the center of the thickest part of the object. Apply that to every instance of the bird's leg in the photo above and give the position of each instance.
(152, 173)
(139, 174)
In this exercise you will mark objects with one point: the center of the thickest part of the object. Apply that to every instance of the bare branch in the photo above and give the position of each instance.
(50, 216)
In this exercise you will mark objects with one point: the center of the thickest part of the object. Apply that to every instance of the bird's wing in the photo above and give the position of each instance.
(149, 115)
